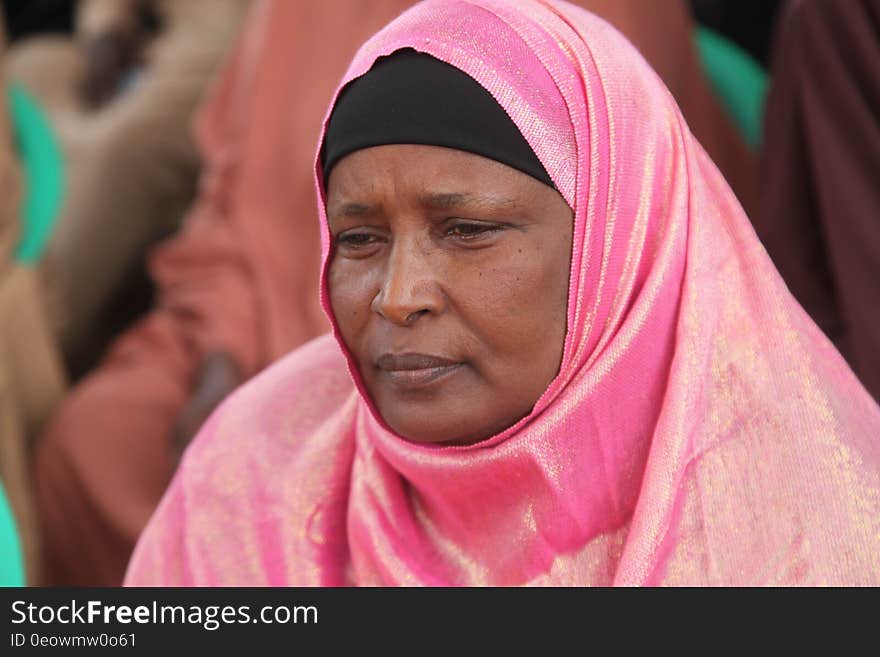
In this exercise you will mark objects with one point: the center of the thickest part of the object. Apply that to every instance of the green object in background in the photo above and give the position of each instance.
(738, 79)
(43, 168)
(11, 564)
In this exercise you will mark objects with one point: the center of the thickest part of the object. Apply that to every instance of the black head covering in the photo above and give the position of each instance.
(414, 98)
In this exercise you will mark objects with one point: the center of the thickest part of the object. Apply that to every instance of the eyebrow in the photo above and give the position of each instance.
(353, 209)
(435, 201)
(446, 201)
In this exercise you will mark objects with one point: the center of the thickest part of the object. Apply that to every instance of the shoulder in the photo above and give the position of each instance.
(244, 468)
(787, 500)
(319, 365)
(270, 429)
(280, 406)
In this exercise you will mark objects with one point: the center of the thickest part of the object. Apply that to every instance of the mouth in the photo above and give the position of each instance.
(413, 371)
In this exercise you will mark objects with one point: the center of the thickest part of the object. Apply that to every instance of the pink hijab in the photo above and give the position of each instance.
(701, 430)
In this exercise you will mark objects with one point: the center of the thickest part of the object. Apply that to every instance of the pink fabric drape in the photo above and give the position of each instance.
(701, 429)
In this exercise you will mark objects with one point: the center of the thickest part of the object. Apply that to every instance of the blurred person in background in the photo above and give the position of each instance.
(31, 373)
(121, 94)
(748, 23)
(820, 196)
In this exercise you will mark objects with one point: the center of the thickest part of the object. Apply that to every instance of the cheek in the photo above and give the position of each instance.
(519, 311)
(350, 298)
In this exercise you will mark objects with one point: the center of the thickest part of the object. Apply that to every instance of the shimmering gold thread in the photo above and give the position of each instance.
(465, 46)
(375, 562)
(784, 559)
(689, 316)
(490, 541)
(305, 496)
(861, 498)
(659, 489)
(594, 563)
(715, 490)
(688, 563)
(476, 574)
(236, 482)
(629, 271)
(562, 22)
(368, 459)
(636, 318)
(589, 213)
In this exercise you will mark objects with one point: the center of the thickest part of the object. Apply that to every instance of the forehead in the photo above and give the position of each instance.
(415, 167)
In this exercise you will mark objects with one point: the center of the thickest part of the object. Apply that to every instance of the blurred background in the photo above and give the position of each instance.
(158, 230)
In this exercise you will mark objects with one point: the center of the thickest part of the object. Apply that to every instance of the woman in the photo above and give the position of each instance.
(569, 359)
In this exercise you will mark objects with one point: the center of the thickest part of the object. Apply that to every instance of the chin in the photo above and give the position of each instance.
(417, 430)
(423, 434)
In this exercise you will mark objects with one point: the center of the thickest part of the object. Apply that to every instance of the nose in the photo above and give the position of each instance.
(410, 288)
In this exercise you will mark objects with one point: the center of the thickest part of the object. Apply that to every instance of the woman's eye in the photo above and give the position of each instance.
(355, 240)
(467, 231)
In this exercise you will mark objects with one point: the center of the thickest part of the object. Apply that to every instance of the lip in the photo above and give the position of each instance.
(414, 370)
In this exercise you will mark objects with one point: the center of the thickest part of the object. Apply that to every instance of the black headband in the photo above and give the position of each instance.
(413, 98)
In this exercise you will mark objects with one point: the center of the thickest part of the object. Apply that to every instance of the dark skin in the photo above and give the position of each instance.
(217, 376)
(449, 283)
(111, 55)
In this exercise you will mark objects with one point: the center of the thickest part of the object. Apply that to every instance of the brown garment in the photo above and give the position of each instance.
(820, 215)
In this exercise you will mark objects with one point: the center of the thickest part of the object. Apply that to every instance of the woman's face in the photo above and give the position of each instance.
(449, 281)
